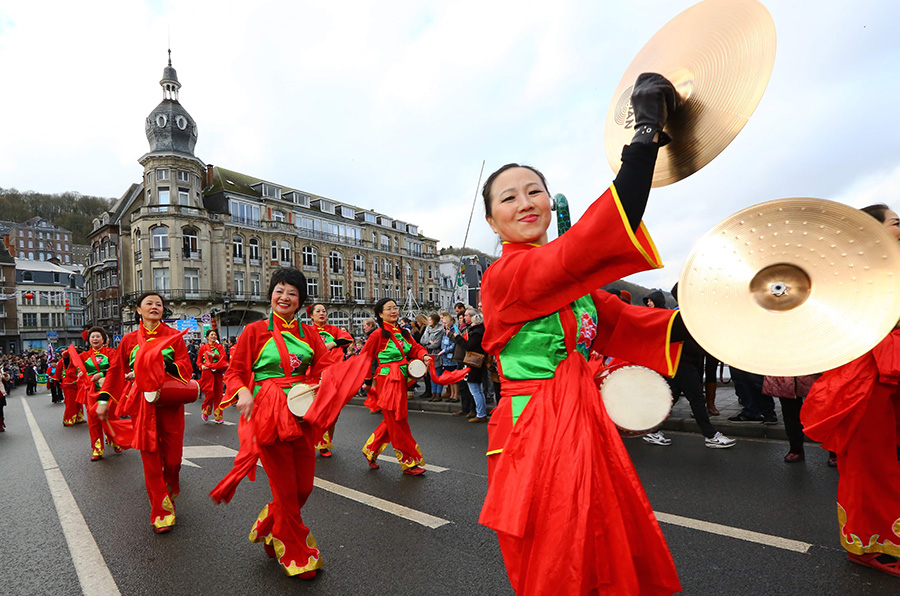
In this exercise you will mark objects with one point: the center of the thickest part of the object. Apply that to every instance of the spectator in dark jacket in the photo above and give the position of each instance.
(470, 339)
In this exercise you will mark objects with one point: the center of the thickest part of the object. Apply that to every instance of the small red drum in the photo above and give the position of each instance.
(300, 398)
(173, 393)
(417, 369)
(637, 399)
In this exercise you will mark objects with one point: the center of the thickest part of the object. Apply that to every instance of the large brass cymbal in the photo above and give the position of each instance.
(792, 287)
(719, 55)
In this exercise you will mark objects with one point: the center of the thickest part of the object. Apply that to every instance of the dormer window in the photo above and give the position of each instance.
(270, 191)
(385, 221)
(325, 206)
(346, 211)
(414, 230)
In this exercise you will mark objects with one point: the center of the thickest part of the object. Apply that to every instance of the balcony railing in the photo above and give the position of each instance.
(254, 262)
(192, 255)
(245, 221)
(178, 295)
(159, 253)
(238, 260)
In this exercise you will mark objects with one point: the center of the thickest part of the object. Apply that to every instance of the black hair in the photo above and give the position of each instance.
(290, 276)
(99, 330)
(877, 211)
(486, 189)
(216, 331)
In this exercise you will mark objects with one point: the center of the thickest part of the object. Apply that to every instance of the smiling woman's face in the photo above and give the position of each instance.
(520, 207)
(151, 309)
(285, 300)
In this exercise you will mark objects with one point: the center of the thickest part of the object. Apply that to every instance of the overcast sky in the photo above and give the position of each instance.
(393, 105)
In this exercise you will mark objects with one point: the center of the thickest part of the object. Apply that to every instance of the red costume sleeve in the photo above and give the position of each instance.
(248, 346)
(114, 383)
(632, 333)
(201, 353)
(532, 282)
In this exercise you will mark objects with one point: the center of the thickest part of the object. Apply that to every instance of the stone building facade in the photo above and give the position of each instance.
(39, 239)
(209, 239)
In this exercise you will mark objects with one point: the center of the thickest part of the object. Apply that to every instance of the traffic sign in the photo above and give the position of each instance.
(205, 318)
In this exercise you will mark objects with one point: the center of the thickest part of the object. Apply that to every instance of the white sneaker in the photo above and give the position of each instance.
(720, 441)
(657, 438)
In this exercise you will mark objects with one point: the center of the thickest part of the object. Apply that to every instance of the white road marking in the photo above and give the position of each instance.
(746, 535)
(393, 460)
(429, 521)
(93, 574)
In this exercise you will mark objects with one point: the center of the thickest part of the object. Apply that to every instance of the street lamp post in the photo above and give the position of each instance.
(226, 302)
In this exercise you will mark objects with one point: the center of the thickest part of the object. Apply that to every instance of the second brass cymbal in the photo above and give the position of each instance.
(792, 287)
(719, 55)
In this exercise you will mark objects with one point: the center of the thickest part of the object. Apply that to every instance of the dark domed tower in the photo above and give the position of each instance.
(169, 127)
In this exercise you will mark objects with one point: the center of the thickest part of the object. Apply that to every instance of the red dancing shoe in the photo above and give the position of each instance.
(325, 452)
(372, 464)
(414, 471)
(884, 563)
(162, 530)
(308, 575)
(96, 457)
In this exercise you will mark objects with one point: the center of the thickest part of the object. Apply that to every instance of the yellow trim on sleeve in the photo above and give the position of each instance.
(494, 452)
(672, 368)
(655, 261)
(233, 395)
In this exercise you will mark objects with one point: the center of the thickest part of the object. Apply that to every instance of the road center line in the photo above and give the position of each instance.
(93, 574)
(429, 521)
(746, 535)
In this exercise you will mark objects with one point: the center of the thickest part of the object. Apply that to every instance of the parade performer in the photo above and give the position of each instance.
(67, 376)
(393, 349)
(270, 357)
(154, 351)
(213, 360)
(568, 507)
(96, 361)
(854, 411)
(335, 340)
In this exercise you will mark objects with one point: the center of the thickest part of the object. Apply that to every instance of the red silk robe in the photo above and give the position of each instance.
(854, 410)
(212, 380)
(567, 505)
(330, 333)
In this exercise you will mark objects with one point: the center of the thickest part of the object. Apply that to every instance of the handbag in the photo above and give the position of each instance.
(474, 359)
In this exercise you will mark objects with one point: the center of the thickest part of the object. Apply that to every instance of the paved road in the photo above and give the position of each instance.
(375, 547)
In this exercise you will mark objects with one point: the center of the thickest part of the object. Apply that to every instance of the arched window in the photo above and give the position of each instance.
(237, 248)
(375, 267)
(339, 318)
(190, 242)
(310, 258)
(160, 242)
(408, 272)
(254, 249)
(285, 252)
(359, 264)
(336, 262)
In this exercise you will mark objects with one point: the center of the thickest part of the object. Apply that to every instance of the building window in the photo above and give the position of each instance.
(277, 215)
(160, 239)
(160, 278)
(375, 266)
(164, 197)
(192, 283)
(239, 283)
(190, 243)
(254, 250)
(184, 196)
(255, 285)
(421, 273)
(237, 248)
(285, 252)
(408, 272)
(244, 213)
(183, 176)
(162, 174)
(140, 281)
(359, 265)
(430, 273)
(273, 250)
(386, 269)
(312, 286)
(337, 289)
(336, 262)
(31, 244)
(359, 290)
(385, 243)
(271, 191)
(310, 257)
(29, 319)
(375, 297)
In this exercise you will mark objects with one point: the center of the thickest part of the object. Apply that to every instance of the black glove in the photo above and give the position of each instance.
(653, 100)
